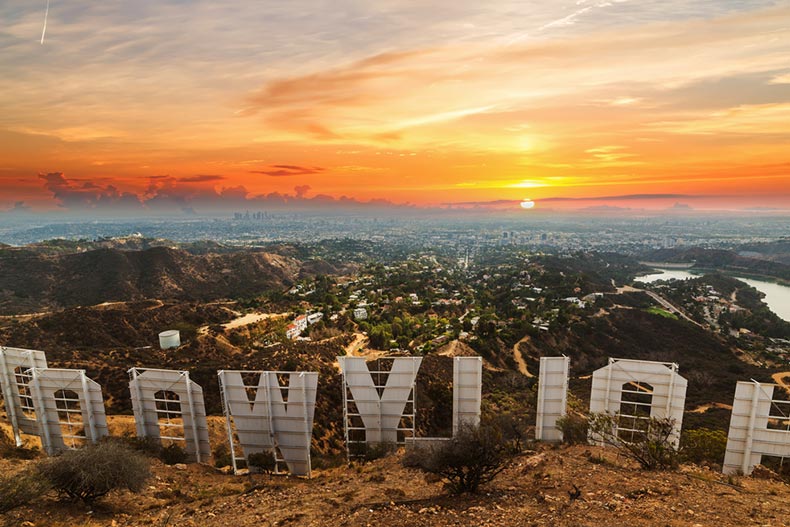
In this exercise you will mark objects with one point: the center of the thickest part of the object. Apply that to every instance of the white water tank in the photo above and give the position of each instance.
(169, 339)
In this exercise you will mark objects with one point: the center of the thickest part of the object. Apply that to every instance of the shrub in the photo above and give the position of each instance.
(150, 446)
(93, 471)
(262, 462)
(574, 428)
(515, 428)
(366, 452)
(703, 445)
(173, 454)
(327, 461)
(9, 450)
(651, 447)
(472, 458)
(222, 457)
(20, 489)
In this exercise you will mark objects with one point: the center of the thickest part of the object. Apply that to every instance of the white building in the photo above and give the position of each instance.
(296, 327)
(292, 331)
(360, 313)
(301, 322)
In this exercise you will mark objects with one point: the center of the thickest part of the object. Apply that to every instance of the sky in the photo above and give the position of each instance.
(221, 105)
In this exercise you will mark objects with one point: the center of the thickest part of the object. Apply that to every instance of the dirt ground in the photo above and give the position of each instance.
(533, 491)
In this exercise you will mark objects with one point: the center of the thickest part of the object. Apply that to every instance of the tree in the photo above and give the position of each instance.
(473, 457)
(651, 446)
(703, 445)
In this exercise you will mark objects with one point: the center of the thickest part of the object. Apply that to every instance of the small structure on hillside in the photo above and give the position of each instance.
(170, 339)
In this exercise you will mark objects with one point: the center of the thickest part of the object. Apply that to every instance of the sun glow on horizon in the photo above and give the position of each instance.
(412, 106)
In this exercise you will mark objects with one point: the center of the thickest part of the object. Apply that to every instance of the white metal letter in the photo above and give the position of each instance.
(552, 397)
(268, 422)
(749, 438)
(179, 409)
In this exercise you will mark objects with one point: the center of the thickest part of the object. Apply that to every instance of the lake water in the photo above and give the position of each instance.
(777, 297)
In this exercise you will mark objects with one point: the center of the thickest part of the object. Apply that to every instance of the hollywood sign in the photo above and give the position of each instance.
(272, 411)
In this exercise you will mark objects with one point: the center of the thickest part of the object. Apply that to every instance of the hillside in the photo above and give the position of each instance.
(32, 281)
(533, 491)
(777, 251)
(749, 261)
(107, 340)
(710, 365)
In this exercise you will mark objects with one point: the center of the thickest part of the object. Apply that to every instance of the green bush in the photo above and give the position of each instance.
(472, 458)
(173, 454)
(703, 445)
(20, 489)
(366, 452)
(95, 470)
(515, 428)
(651, 447)
(262, 462)
(150, 446)
(327, 461)
(574, 428)
(222, 457)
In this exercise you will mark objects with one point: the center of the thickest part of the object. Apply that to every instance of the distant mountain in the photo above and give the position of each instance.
(33, 280)
(778, 251)
(754, 263)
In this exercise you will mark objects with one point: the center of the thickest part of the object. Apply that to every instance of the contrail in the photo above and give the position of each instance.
(46, 14)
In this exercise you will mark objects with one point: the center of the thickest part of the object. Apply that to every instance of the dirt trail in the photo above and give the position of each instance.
(355, 345)
(705, 407)
(779, 378)
(245, 320)
(353, 348)
(522, 364)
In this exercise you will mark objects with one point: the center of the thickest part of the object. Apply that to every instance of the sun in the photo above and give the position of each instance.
(527, 204)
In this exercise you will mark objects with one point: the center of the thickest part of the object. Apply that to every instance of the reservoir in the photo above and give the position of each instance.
(777, 297)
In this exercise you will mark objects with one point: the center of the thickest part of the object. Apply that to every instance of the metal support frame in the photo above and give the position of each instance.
(191, 409)
(368, 395)
(269, 423)
(552, 397)
(467, 395)
(15, 364)
(59, 396)
(667, 397)
(751, 434)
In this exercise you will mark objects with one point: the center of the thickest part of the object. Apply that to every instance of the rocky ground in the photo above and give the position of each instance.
(535, 490)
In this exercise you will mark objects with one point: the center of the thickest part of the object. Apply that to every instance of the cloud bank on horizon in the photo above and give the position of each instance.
(452, 103)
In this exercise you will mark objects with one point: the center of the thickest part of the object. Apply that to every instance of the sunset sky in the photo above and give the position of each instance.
(209, 104)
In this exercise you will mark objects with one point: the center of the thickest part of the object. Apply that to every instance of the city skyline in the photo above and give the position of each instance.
(609, 104)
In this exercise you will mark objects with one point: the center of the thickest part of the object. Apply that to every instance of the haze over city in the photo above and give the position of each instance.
(206, 106)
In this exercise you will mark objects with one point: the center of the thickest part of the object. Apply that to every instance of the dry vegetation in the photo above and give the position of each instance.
(539, 488)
